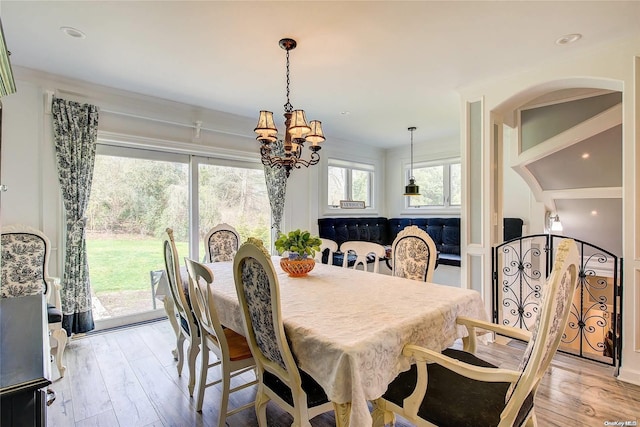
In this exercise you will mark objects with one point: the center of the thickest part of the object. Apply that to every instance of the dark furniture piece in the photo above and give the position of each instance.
(445, 232)
(24, 361)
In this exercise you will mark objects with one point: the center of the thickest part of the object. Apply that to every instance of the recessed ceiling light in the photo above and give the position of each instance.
(73, 32)
(585, 155)
(594, 213)
(569, 38)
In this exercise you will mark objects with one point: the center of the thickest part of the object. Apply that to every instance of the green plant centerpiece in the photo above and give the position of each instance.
(302, 247)
(299, 244)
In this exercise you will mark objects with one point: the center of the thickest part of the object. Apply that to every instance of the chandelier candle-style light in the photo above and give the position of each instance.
(297, 132)
(412, 189)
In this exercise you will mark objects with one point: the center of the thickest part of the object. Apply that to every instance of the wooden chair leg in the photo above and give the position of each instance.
(202, 380)
(224, 401)
(60, 335)
(180, 350)
(192, 354)
(173, 321)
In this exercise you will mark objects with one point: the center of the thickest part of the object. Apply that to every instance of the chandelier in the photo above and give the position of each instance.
(297, 132)
(412, 189)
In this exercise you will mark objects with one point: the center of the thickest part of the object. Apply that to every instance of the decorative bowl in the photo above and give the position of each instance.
(297, 267)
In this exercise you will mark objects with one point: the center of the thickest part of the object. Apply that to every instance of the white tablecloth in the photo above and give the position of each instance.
(347, 327)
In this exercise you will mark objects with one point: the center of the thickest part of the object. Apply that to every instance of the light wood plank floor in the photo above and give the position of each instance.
(128, 378)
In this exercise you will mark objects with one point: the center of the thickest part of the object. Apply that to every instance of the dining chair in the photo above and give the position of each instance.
(456, 388)
(362, 250)
(327, 245)
(280, 378)
(25, 271)
(413, 254)
(231, 349)
(187, 325)
(221, 243)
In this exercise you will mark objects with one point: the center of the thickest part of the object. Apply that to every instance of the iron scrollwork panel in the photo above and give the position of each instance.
(521, 265)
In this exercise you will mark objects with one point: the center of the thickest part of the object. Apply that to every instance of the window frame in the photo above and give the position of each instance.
(350, 166)
(446, 207)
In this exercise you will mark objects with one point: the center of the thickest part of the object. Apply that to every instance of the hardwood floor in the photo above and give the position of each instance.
(128, 378)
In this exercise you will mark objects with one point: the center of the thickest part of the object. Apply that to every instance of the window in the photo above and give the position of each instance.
(440, 185)
(349, 181)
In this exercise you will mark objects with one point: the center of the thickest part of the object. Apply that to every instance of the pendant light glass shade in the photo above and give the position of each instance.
(412, 189)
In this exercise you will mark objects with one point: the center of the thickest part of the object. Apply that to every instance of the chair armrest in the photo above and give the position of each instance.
(472, 324)
(479, 373)
(422, 356)
(53, 292)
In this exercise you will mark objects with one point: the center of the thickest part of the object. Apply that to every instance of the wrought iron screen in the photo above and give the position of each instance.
(520, 269)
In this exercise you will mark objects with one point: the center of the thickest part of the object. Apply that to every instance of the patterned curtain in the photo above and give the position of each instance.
(75, 131)
(276, 179)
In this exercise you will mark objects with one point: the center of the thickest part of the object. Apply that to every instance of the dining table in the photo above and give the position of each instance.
(347, 327)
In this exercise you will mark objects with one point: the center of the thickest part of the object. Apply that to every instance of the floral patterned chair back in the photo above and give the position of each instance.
(25, 260)
(280, 378)
(414, 254)
(25, 271)
(221, 243)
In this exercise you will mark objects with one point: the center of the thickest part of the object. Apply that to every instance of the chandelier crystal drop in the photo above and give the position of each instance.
(297, 132)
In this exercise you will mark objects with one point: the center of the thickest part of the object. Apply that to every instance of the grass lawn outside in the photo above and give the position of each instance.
(119, 270)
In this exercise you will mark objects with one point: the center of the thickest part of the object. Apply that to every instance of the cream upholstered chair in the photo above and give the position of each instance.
(221, 243)
(362, 251)
(414, 254)
(279, 377)
(456, 388)
(187, 329)
(329, 245)
(231, 348)
(25, 267)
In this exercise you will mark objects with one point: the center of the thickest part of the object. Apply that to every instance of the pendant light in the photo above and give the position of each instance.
(412, 189)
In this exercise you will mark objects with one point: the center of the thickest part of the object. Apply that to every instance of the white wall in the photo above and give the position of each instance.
(28, 167)
(609, 67)
(518, 200)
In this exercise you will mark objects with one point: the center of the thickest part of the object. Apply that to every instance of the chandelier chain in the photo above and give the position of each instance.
(411, 168)
(288, 107)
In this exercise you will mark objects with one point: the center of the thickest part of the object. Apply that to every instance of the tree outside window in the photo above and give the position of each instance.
(440, 185)
(349, 181)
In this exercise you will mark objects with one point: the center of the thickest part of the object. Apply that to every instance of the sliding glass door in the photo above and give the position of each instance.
(232, 193)
(136, 195)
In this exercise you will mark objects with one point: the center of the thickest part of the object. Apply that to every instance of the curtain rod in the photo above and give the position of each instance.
(196, 125)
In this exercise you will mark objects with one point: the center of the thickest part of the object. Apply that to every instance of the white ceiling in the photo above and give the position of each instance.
(390, 64)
